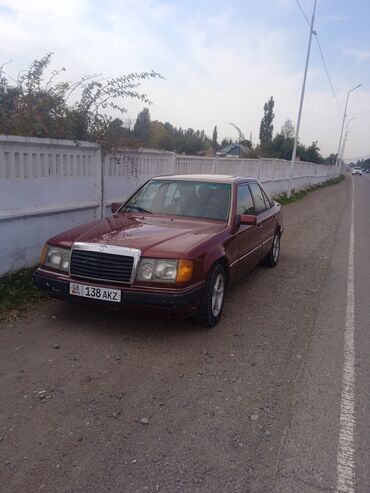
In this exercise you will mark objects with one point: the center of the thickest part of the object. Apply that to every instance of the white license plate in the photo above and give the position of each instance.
(105, 294)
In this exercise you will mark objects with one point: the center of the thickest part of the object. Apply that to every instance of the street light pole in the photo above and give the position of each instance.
(301, 103)
(345, 138)
(344, 118)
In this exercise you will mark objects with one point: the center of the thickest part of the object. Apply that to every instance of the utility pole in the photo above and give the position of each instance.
(301, 103)
(344, 118)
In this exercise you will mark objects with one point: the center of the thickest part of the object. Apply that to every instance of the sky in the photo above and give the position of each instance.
(221, 60)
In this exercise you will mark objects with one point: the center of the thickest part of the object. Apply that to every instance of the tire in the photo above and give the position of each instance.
(210, 310)
(272, 258)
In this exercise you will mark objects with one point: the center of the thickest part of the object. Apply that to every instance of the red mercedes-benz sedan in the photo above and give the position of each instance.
(174, 246)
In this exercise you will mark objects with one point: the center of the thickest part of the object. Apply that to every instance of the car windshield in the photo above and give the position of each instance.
(182, 198)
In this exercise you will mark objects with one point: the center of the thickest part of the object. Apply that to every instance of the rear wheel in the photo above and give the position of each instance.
(272, 258)
(210, 310)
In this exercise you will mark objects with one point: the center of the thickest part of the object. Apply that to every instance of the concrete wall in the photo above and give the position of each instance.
(47, 186)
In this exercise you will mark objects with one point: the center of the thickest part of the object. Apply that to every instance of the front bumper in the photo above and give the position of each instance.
(183, 302)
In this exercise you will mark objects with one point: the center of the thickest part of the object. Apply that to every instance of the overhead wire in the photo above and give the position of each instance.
(322, 56)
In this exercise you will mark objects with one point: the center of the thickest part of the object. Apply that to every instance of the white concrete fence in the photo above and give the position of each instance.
(47, 186)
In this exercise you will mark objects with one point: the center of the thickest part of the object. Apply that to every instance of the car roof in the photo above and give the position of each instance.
(205, 178)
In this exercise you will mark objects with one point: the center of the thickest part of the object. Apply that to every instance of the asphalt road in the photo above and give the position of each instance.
(271, 400)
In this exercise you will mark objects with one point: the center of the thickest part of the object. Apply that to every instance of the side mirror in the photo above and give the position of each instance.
(248, 219)
(115, 206)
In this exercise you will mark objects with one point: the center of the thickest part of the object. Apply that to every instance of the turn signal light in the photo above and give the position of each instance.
(43, 254)
(184, 271)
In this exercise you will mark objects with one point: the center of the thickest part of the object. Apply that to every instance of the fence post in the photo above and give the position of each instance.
(100, 179)
(174, 163)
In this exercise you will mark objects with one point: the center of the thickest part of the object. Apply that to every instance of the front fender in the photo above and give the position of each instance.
(214, 255)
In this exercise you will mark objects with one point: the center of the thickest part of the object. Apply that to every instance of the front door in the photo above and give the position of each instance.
(266, 222)
(248, 239)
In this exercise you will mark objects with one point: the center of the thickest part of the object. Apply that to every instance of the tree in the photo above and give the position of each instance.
(266, 127)
(226, 142)
(313, 153)
(117, 130)
(214, 139)
(142, 126)
(246, 143)
(331, 159)
(288, 129)
(37, 105)
(159, 137)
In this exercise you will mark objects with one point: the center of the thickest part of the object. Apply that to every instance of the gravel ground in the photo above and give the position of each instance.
(99, 401)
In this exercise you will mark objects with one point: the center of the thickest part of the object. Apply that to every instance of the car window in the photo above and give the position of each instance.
(258, 198)
(268, 201)
(183, 198)
(245, 203)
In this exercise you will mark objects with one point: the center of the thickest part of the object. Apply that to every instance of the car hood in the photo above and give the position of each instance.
(153, 235)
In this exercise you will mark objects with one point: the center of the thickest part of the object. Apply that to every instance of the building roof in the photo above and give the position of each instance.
(233, 150)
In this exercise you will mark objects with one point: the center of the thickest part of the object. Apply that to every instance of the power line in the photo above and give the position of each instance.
(321, 54)
(303, 12)
(327, 72)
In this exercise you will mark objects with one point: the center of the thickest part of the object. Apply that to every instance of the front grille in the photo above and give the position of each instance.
(98, 265)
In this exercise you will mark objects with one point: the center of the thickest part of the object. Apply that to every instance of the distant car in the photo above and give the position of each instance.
(357, 171)
(367, 170)
(174, 246)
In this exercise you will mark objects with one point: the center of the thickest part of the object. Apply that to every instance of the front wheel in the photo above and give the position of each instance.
(210, 310)
(272, 258)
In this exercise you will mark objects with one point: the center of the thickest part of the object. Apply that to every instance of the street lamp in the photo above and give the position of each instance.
(345, 138)
(301, 103)
(344, 118)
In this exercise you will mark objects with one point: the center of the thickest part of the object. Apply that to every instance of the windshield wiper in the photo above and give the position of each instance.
(138, 208)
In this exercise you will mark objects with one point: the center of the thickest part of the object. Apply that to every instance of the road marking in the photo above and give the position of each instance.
(346, 482)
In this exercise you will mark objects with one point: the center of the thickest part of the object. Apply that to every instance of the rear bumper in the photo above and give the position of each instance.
(182, 302)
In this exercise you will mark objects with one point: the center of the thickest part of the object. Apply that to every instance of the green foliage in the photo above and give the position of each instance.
(36, 105)
(142, 126)
(300, 194)
(226, 142)
(364, 163)
(214, 139)
(266, 127)
(246, 143)
(167, 137)
(313, 154)
(17, 293)
(281, 147)
(288, 129)
(331, 159)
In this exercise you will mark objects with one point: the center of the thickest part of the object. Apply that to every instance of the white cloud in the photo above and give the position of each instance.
(358, 55)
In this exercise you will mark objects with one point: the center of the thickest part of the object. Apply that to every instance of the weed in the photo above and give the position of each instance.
(297, 195)
(17, 293)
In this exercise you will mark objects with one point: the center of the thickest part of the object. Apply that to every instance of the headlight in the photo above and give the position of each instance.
(151, 269)
(56, 257)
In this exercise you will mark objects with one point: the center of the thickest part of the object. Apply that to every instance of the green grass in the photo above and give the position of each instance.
(283, 198)
(17, 293)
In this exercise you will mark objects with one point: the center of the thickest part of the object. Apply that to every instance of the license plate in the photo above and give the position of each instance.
(104, 294)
